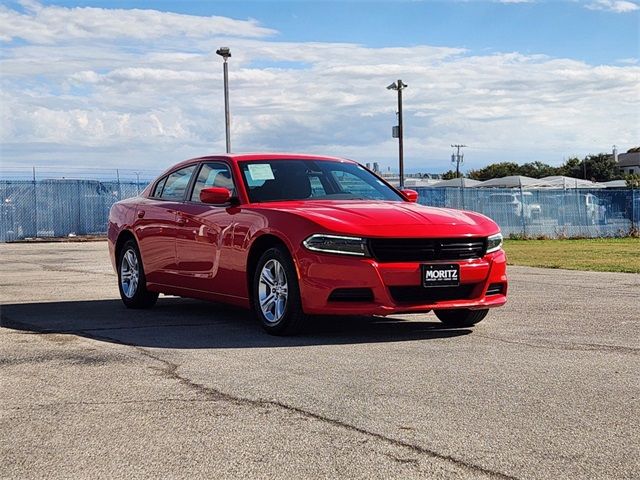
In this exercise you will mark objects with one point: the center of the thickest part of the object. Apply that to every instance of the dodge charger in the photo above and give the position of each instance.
(289, 236)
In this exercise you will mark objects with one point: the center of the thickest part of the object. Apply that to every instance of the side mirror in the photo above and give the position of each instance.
(215, 195)
(410, 195)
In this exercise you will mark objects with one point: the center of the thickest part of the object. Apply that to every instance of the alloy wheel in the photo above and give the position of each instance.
(273, 291)
(129, 273)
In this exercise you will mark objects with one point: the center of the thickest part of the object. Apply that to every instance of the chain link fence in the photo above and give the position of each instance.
(546, 212)
(59, 208)
(64, 207)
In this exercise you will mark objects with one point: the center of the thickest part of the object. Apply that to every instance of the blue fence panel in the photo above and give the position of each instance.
(57, 208)
(546, 212)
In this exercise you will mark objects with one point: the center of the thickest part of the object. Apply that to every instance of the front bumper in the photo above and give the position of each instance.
(321, 274)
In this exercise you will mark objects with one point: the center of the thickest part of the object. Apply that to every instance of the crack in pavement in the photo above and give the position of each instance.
(170, 371)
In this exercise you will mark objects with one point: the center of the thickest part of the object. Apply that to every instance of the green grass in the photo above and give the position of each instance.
(600, 255)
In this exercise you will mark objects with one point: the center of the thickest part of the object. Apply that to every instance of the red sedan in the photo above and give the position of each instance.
(296, 235)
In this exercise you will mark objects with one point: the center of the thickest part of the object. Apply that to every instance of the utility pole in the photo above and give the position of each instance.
(457, 158)
(225, 54)
(399, 86)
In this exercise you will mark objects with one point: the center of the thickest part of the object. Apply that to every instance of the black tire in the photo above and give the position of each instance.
(140, 297)
(460, 317)
(290, 318)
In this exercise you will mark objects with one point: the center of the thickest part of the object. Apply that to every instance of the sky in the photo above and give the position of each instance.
(137, 84)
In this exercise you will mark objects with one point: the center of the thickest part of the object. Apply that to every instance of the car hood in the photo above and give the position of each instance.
(380, 218)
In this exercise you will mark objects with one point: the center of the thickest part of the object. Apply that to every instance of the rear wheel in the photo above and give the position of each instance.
(276, 294)
(460, 317)
(131, 280)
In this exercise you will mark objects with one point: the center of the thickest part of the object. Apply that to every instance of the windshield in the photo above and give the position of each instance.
(274, 180)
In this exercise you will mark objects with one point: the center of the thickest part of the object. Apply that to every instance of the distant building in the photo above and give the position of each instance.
(412, 179)
(630, 162)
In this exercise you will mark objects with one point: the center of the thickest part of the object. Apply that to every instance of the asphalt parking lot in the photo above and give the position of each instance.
(546, 387)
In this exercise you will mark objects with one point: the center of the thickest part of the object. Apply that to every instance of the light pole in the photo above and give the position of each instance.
(225, 54)
(399, 86)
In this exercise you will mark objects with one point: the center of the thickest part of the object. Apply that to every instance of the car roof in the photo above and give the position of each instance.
(239, 157)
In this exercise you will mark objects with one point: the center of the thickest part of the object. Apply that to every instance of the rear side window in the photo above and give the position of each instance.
(175, 186)
(159, 186)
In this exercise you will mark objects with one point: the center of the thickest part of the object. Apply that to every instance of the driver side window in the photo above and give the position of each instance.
(212, 174)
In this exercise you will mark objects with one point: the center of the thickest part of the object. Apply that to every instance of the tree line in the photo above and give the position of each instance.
(599, 168)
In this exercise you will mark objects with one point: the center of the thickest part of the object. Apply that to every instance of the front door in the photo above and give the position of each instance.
(205, 232)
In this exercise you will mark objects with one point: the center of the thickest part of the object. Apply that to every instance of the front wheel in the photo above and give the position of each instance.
(276, 294)
(460, 317)
(131, 280)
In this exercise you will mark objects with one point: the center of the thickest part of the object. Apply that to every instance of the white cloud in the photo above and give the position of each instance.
(617, 6)
(150, 103)
(54, 24)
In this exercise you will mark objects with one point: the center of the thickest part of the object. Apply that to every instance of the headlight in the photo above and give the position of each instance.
(494, 242)
(337, 244)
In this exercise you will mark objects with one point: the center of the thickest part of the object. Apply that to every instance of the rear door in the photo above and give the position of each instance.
(156, 227)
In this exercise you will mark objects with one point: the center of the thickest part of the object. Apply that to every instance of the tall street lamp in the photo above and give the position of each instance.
(225, 54)
(399, 86)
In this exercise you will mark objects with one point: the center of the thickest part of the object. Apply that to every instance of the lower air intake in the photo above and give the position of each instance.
(351, 295)
(417, 294)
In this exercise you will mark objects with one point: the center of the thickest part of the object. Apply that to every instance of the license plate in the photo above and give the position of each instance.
(441, 275)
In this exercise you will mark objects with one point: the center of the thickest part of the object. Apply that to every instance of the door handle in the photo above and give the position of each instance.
(140, 213)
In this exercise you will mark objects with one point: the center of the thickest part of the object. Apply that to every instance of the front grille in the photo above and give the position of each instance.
(415, 294)
(426, 249)
(351, 295)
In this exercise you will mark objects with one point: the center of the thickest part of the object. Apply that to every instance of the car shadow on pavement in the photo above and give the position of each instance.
(182, 323)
